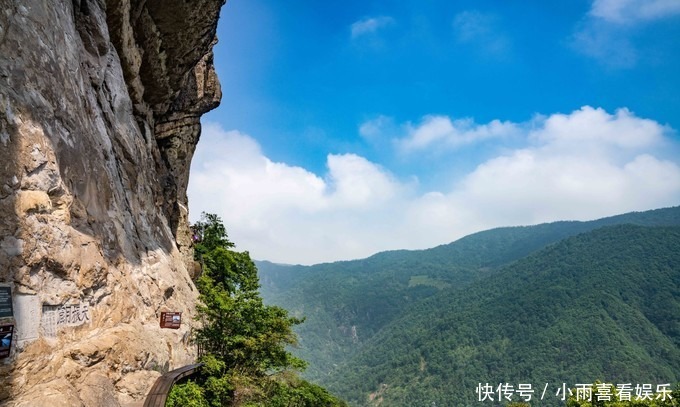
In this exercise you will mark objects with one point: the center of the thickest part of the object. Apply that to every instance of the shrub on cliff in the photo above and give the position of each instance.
(189, 394)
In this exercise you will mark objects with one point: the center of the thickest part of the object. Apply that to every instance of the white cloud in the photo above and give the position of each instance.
(606, 32)
(589, 128)
(283, 212)
(582, 165)
(357, 182)
(370, 25)
(631, 11)
(234, 162)
(536, 185)
(442, 131)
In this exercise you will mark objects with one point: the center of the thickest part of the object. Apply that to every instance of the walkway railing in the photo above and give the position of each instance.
(161, 388)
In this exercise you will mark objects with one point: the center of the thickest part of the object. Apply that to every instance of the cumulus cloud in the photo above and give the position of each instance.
(283, 212)
(442, 131)
(534, 185)
(589, 128)
(357, 182)
(369, 25)
(582, 165)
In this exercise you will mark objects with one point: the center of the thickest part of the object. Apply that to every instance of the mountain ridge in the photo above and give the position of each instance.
(632, 317)
(347, 303)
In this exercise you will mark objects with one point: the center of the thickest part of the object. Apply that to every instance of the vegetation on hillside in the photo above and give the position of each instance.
(347, 303)
(600, 305)
(242, 341)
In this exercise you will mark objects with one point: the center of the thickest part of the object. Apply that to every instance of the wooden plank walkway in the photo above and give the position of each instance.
(161, 388)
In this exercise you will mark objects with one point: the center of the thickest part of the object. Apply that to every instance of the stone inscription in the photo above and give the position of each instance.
(73, 315)
(57, 316)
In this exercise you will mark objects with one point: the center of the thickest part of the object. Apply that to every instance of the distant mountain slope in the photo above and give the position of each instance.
(601, 305)
(499, 246)
(348, 302)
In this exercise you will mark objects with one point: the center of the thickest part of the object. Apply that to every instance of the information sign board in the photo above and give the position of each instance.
(6, 302)
(6, 333)
(171, 320)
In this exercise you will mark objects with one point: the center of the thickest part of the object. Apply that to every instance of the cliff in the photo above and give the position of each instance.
(100, 103)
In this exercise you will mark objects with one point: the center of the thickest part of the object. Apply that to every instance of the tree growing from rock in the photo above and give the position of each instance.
(242, 341)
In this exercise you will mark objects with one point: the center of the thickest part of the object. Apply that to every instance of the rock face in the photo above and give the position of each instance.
(100, 103)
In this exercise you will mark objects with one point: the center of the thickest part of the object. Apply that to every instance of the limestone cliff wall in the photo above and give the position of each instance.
(100, 103)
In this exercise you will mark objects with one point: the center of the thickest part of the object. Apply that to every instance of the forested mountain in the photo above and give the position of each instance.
(347, 303)
(603, 305)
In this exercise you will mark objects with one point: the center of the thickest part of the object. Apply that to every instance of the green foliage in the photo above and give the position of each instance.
(188, 394)
(295, 392)
(238, 330)
(415, 281)
(211, 235)
(242, 340)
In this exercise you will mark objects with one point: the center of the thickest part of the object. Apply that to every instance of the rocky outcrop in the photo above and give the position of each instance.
(99, 116)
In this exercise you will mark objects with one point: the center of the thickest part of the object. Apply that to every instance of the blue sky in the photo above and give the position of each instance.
(354, 127)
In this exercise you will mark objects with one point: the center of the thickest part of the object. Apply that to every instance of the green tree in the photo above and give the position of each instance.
(189, 394)
(243, 341)
(211, 234)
